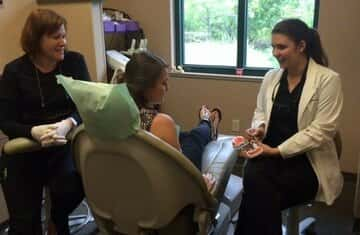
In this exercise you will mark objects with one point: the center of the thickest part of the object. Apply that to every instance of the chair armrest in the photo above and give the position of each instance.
(25, 145)
(21, 145)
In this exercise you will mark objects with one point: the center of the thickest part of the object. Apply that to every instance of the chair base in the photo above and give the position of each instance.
(222, 220)
(77, 222)
(229, 207)
(305, 227)
(233, 194)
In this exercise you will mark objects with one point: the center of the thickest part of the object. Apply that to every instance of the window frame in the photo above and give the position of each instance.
(241, 43)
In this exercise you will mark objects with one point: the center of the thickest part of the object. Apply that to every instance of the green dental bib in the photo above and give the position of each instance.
(107, 110)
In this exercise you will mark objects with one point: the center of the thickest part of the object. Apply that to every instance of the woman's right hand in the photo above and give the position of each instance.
(41, 131)
(38, 131)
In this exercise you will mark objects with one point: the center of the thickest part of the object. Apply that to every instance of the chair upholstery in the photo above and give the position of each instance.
(141, 184)
(293, 225)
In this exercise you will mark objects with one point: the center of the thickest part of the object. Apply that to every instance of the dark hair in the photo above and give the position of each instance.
(39, 23)
(297, 30)
(141, 73)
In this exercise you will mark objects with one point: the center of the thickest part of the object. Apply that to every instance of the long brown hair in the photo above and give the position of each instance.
(297, 31)
(141, 73)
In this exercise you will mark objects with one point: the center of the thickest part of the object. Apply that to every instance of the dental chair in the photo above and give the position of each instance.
(23, 145)
(142, 185)
(293, 225)
(134, 182)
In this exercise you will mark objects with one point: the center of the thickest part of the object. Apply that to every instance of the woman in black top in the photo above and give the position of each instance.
(33, 105)
(295, 120)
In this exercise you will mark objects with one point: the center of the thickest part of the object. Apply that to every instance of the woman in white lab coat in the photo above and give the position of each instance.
(295, 120)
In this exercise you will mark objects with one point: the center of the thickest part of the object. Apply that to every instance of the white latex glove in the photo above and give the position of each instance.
(64, 127)
(57, 136)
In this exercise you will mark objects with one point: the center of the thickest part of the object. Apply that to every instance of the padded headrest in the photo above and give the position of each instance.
(107, 110)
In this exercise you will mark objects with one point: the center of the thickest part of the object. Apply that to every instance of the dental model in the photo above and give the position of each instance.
(251, 148)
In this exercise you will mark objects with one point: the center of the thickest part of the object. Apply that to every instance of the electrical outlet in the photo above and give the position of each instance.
(235, 125)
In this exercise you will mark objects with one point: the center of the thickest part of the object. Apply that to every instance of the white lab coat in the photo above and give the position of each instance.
(318, 117)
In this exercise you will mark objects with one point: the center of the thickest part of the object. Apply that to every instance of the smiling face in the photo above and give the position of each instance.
(155, 94)
(52, 46)
(287, 52)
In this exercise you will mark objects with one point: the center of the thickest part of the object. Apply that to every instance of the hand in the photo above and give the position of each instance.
(209, 181)
(57, 136)
(38, 131)
(52, 140)
(254, 150)
(64, 127)
(269, 151)
(256, 133)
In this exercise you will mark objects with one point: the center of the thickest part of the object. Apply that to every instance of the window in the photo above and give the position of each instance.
(219, 36)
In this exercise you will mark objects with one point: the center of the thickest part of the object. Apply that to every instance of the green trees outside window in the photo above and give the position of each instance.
(219, 36)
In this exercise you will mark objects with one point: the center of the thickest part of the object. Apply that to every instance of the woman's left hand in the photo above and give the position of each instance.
(57, 136)
(269, 151)
(254, 151)
(259, 149)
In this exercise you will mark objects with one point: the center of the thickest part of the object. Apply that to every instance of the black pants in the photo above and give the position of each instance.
(193, 142)
(270, 186)
(24, 177)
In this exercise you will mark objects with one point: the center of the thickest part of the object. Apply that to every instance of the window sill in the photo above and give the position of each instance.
(211, 76)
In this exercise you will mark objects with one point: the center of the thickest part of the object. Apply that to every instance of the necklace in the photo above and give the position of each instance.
(40, 90)
(42, 99)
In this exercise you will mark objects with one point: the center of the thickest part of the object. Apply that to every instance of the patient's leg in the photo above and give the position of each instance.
(193, 143)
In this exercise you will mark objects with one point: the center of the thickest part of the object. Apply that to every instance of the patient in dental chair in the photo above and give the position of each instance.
(146, 77)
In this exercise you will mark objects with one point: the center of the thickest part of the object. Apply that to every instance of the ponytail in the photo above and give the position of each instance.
(314, 48)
